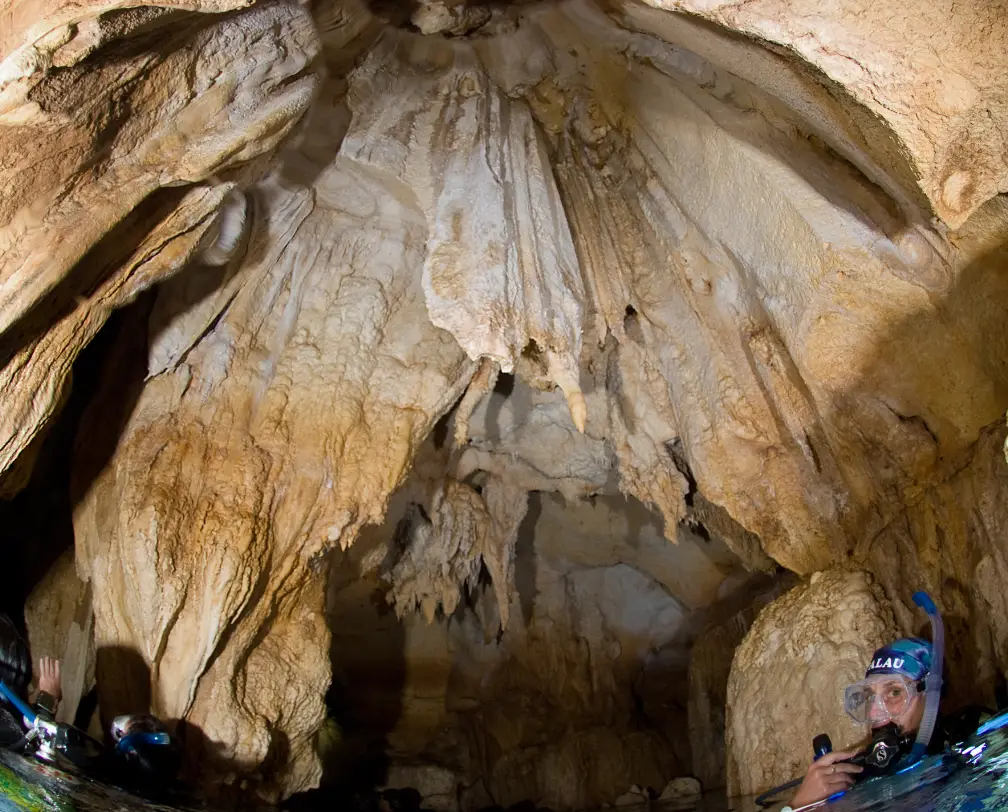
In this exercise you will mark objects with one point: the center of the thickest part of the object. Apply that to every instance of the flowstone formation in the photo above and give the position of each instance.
(789, 674)
(741, 265)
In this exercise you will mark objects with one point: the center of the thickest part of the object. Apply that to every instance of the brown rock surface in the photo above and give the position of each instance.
(61, 625)
(253, 456)
(97, 160)
(789, 674)
(710, 660)
(928, 76)
(741, 262)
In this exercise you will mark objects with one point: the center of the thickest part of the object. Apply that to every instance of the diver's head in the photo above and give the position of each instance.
(893, 688)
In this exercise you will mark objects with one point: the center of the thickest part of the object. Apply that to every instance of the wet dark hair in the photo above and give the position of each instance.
(15, 662)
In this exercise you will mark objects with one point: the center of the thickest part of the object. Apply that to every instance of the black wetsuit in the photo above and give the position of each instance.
(11, 731)
(15, 671)
(953, 728)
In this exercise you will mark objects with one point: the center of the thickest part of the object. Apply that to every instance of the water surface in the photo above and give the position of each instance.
(972, 779)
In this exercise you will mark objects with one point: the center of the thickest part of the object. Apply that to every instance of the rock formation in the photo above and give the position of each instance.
(710, 660)
(119, 154)
(273, 467)
(947, 116)
(61, 625)
(550, 707)
(789, 674)
(425, 277)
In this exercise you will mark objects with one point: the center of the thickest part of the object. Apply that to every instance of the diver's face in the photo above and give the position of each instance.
(888, 698)
(908, 721)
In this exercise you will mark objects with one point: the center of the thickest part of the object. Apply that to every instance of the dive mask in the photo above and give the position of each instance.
(879, 699)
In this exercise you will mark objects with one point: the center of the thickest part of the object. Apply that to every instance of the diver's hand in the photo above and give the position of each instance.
(49, 677)
(829, 775)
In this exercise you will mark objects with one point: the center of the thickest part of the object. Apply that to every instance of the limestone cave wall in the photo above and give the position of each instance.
(412, 284)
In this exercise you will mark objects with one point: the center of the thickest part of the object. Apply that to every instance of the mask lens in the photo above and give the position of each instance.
(878, 700)
(895, 695)
(857, 702)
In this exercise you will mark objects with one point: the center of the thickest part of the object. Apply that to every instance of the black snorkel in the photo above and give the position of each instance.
(887, 745)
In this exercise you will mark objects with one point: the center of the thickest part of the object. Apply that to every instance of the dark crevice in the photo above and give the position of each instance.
(631, 325)
(401, 534)
(533, 352)
(812, 451)
(505, 384)
(38, 521)
(678, 454)
(913, 420)
(440, 432)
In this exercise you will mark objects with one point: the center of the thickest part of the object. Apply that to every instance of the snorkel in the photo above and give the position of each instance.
(11, 696)
(933, 680)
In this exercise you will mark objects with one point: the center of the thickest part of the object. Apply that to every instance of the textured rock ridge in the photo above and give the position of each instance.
(100, 153)
(450, 547)
(264, 432)
(500, 272)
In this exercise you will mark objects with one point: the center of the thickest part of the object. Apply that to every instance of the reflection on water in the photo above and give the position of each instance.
(972, 779)
(711, 802)
(27, 785)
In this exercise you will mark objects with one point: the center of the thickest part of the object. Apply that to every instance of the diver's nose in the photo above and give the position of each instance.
(877, 710)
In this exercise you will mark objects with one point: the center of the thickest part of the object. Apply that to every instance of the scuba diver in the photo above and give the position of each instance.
(890, 698)
(151, 757)
(15, 672)
(898, 698)
(143, 757)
